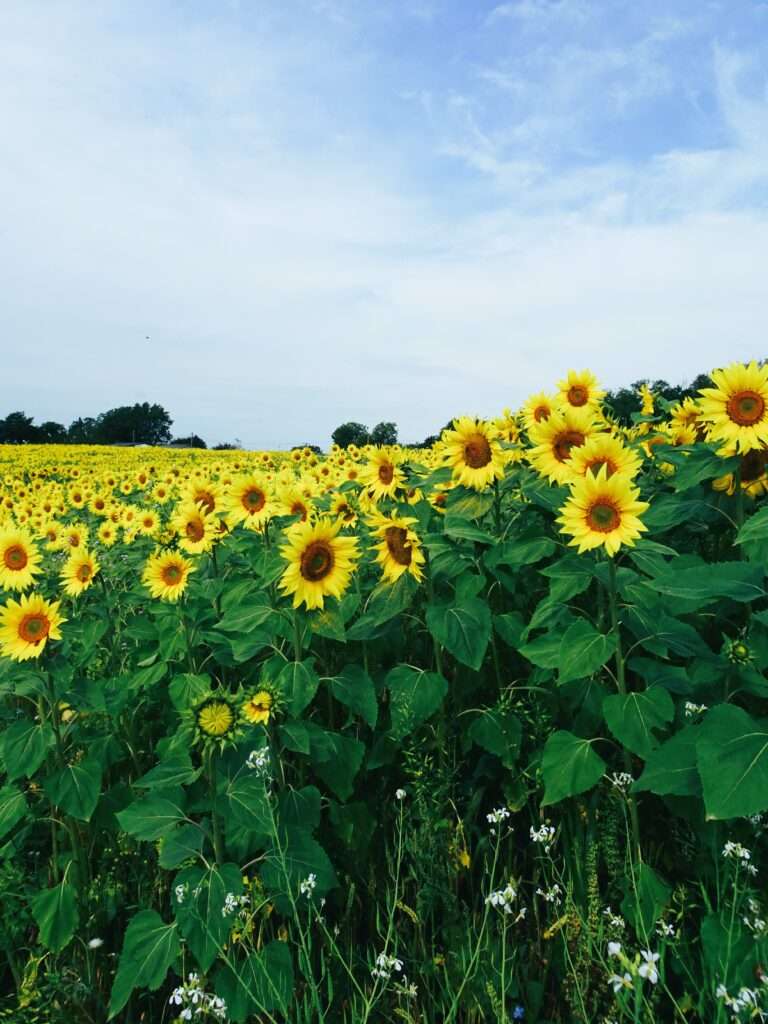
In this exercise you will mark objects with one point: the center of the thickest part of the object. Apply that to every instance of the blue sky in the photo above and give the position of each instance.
(322, 210)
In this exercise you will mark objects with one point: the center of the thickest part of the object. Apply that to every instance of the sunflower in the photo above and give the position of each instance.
(399, 549)
(258, 707)
(294, 501)
(78, 572)
(19, 560)
(538, 408)
(166, 575)
(248, 501)
(342, 509)
(148, 523)
(196, 529)
(686, 414)
(736, 409)
(604, 450)
(554, 440)
(107, 534)
(320, 563)
(647, 400)
(473, 451)
(580, 390)
(204, 492)
(381, 474)
(603, 511)
(214, 719)
(27, 624)
(73, 537)
(752, 474)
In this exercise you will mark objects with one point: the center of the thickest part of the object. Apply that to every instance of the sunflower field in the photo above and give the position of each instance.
(470, 733)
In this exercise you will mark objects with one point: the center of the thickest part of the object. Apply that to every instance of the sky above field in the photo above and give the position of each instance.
(275, 216)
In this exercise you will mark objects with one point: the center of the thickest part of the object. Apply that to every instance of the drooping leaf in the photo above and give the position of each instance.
(583, 650)
(75, 789)
(463, 628)
(569, 766)
(55, 911)
(299, 682)
(498, 731)
(13, 807)
(149, 948)
(414, 696)
(151, 817)
(354, 688)
(732, 757)
(633, 717)
(201, 912)
(672, 769)
(24, 747)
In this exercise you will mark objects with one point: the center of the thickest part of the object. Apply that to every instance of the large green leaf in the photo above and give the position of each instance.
(75, 789)
(183, 843)
(201, 912)
(245, 618)
(569, 766)
(463, 628)
(292, 858)
(739, 581)
(149, 948)
(671, 769)
(151, 817)
(414, 696)
(186, 688)
(498, 731)
(583, 650)
(299, 682)
(338, 762)
(754, 529)
(175, 770)
(24, 746)
(261, 984)
(55, 911)
(645, 898)
(632, 717)
(732, 752)
(354, 688)
(245, 797)
(13, 807)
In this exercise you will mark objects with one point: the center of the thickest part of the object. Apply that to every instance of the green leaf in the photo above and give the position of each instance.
(387, 600)
(75, 789)
(151, 817)
(299, 682)
(462, 501)
(338, 770)
(354, 688)
(645, 898)
(667, 510)
(732, 753)
(185, 689)
(583, 651)
(296, 857)
(246, 798)
(294, 737)
(754, 529)
(176, 770)
(463, 628)
(632, 717)
(263, 983)
(569, 766)
(13, 807)
(24, 746)
(671, 770)
(739, 581)
(459, 528)
(499, 732)
(149, 948)
(510, 628)
(199, 914)
(245, 618)
(524, 551)
(55, 911)
(544, 651)
(179, 845)
(414, 696)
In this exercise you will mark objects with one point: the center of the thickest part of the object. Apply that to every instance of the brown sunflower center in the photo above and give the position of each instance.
(195, 530)
(595, 465)
(746, 408)
(753, 466)
(15, 557)
(298, 508)
(34, 627)
(603, 516)
(564, 442)
(171, 575)
(207, 499)
(477, 451)
(398, 544)
(84, 573)
(74, 540)
(254, 499)
(316, 561)
(578, 395)
(386, 472)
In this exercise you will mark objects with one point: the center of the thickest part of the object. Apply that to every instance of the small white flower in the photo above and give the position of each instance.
(497, 816)
(614, 948)
(618, 981)
(648, 968)
(95, 943)
(307, 887)
(400, 794)
(181, 892)
(621, 781)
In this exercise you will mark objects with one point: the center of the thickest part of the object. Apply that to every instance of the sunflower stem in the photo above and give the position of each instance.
(621, 683)
(296, 636)
(218, 848)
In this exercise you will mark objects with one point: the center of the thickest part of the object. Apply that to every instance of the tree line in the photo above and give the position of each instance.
(145, 423)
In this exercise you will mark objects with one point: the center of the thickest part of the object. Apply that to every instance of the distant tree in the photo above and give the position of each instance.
(17, 428)
(384, 433)
(227, 446)
(141, 423)
(52, 432)
(350, 433)
(192, 441)
(82, 430)
(311, 447)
